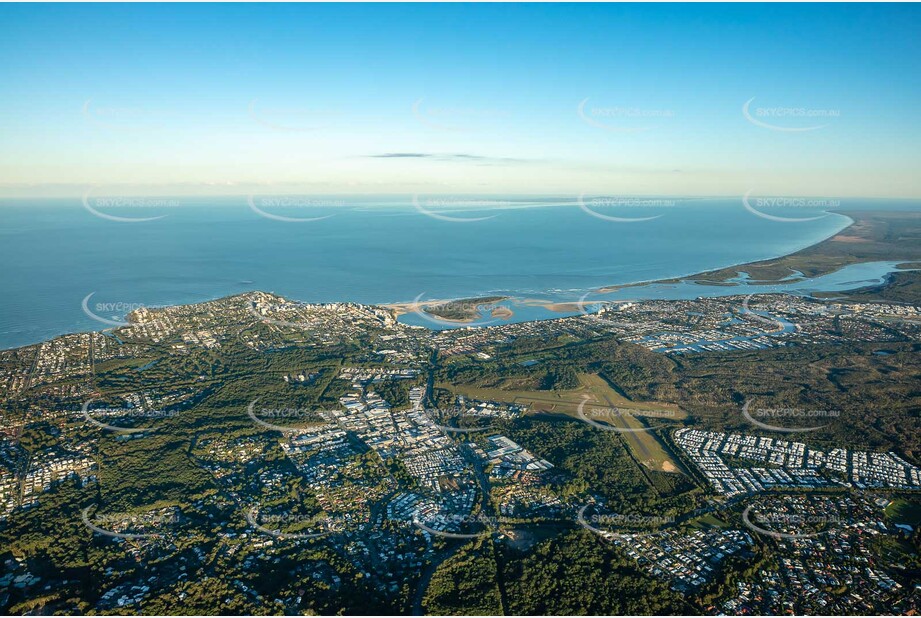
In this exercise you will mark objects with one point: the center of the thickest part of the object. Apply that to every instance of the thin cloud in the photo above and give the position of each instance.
(448, 157)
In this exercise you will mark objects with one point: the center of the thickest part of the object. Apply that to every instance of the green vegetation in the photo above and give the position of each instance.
(217, 563)
(900, 287)
(906, 510)
(461, 311)
(597, 462)
(577, 575)
(564, 378)
(466, 583)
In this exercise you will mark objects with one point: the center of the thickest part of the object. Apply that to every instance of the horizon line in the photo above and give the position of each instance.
(410, 194)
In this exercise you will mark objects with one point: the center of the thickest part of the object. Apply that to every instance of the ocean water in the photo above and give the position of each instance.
(367, 250)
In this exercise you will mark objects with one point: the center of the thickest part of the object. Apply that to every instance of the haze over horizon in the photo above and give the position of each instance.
(485, 99)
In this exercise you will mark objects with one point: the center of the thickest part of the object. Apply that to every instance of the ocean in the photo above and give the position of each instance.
(369, 250)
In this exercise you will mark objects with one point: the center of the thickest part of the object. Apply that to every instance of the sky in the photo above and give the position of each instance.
(622, 99)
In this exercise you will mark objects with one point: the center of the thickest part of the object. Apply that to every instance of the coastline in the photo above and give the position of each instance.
(862, 226)
(871, 236)
(697, 277)
(403, 308)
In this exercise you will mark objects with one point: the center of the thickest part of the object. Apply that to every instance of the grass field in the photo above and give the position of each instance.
(595, 393)
(707, 521)
(902, 511)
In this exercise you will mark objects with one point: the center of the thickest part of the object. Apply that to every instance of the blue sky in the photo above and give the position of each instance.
(549, 99)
